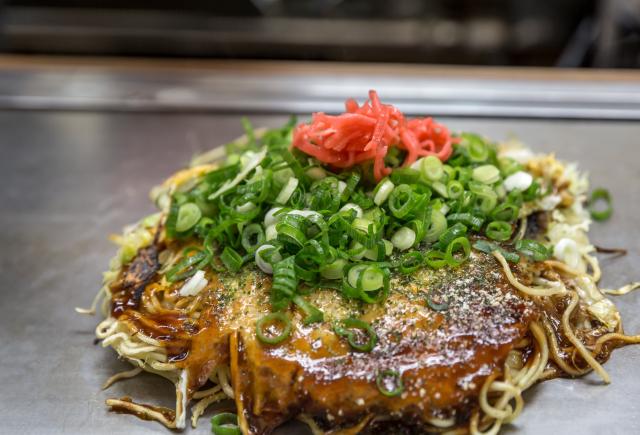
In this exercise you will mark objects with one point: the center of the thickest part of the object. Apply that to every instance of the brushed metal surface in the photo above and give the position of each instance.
(67, 180)
(299, 87)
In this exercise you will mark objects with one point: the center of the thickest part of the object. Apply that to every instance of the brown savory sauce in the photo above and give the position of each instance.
(442, 356)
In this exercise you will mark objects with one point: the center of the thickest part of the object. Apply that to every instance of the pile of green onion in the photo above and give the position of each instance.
(313, 228)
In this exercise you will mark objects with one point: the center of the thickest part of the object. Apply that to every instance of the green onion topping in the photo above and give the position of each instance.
(345, 329)
(600, 195)
(389, 383)
(273, 328)
(534, 250)
(225, 423)
(311, 226)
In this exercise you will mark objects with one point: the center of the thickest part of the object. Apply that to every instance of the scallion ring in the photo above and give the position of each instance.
(486, 174)
(225, 423)
(453, 232)
(334, 270)
(252, 237)
(265, 256)
(599, 195)
(344, 329)
(437, 226)
(389, 383)
(410, 262)
(404, 238)
(477, 150)
(266, 329)
(454, 189)
(382, 191)
(453, 247)
(435, 259)
(499, 230)
(188, 216)
(443, 306)
(367, 282)
(506, 211)
(431, 168)
(402, 200)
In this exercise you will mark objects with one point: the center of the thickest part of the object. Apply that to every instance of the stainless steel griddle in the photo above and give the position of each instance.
(81, 145)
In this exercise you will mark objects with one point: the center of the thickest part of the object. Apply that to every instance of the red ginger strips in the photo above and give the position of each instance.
(367, 132)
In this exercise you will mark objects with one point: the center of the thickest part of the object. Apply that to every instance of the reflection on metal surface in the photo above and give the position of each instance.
(252, 88)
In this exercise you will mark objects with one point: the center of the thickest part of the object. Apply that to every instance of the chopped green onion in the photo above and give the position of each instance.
(265, 256)
(599, 195)
(252, 237)
(486, 174)
(194, 260)
(532, 192)
(312, 314)
(287, 191)
(499, 230)
(223, 174)
(231, 259)
(344, 329)
(225, 423)
(409, 175)
(373, 280)
(486, 197)
(389, 383)
(266, 328)
(440, 188)
(410, 262)
(437, 226)
(467, 219)
(246, 207)
(172, 219)
(454, 189)
(404, 238)
(476, 148)
(334, 270)
(402, 200)
(354, 207)
(367, 282)
(188, 216)
(455, 245)
(463, 174)
(383, 249)
(271, 232)
(435, 259)
(508, 166)
(382, 191)
(431, 168)
(272, 216)
(435, 306)
(291, 231)
(533, 250)
(452, 233)
(489, 247)
(505, 212)
(284, 283)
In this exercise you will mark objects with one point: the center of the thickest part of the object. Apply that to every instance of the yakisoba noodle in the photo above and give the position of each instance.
(574, 332)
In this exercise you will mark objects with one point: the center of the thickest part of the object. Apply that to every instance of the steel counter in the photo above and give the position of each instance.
(68, 178)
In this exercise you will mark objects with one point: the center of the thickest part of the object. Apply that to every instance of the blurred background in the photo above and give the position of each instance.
(562, 33)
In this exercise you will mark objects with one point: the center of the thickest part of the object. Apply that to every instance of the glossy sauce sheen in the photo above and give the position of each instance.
(444, 357)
